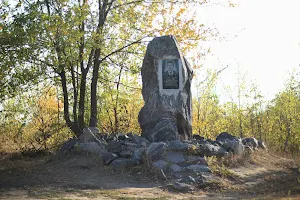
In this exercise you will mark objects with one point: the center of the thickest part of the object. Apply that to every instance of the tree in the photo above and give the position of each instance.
(76, 43)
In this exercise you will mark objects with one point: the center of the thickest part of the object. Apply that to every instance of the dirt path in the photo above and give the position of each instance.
(84, 177)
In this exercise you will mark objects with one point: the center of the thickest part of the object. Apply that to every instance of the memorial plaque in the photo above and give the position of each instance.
(170, 74)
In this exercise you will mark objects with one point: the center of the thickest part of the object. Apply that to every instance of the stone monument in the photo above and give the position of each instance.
(166, 77)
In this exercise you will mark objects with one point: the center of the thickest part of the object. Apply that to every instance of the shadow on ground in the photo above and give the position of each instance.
(82, 176)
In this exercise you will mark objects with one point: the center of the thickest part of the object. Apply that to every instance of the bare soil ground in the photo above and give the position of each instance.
(264, 176)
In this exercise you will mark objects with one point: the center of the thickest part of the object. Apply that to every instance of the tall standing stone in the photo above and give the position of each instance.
(166, 77)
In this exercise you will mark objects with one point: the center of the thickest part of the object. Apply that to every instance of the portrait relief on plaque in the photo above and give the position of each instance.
(170, 74)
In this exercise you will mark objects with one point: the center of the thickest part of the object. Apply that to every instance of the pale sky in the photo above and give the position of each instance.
(262, 37)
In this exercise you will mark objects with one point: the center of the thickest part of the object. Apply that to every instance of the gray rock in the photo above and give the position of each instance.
(130, 145)
(90, 134)
(224, 136)
(120, 163)
(251, 142)
(156, 150)
(114, 146)
(175, 157)
(198, 168)
(208, 149)
(108, 157)
(138, 156)
(92, 147)
(261, 145)
(182, 187)
(166, 77)
(130, 135)
(160, 165)
(67, 146)
(188, 180)
(179, 146)
(235, 146)
(200, 180)
(140, 140)
(175, 168)
(195, 160)
(126, 153)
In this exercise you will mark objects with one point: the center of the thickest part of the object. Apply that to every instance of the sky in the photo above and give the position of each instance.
(260, 38)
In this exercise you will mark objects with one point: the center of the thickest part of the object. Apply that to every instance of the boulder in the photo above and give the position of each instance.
(182, 187)
(188, 180)
(138, 156)
(195, 160)
(126, 153)
(251, 142)
(177, 145)
(140, 140)
(197, 137)
(107, 157)
(166, 90)
(90, 134)
(198, 168)
(120, 163)
(209, 149)
(235, 146)
(92, 147)
(114, 147)
(175, 157)
(160, 165)
(67, 146)
(155, 151)
(129, 145)
(122, 137)
(175, 168)
(261, 144)
(224, 136)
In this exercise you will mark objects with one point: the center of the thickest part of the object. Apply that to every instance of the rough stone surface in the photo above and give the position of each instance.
(224, 136)
(90, 134)
(138, 156)
(261, 144)
(182, 187)
(160, 164)
(209, 149)
(156, 150)
(92, 147)
(140, 140)
(108, 157)
(166, 115)
(68, 146)
(179, 146)
(115, 147)
(199, 168)
(175, 168)
(187, 179)
(252, 142)
(120, 162)
(175, 157)
(126, 153)
(235, 146)
(195, 160)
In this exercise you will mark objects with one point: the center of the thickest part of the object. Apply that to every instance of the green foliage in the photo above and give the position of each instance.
(275, 122)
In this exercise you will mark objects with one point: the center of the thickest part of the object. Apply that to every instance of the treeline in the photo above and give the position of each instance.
(249, 115)
(35, 119)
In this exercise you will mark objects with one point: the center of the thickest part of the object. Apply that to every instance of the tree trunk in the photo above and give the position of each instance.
(93, 117)
(117, 102)
(74, 127)
(289, 130)
(81, 106)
